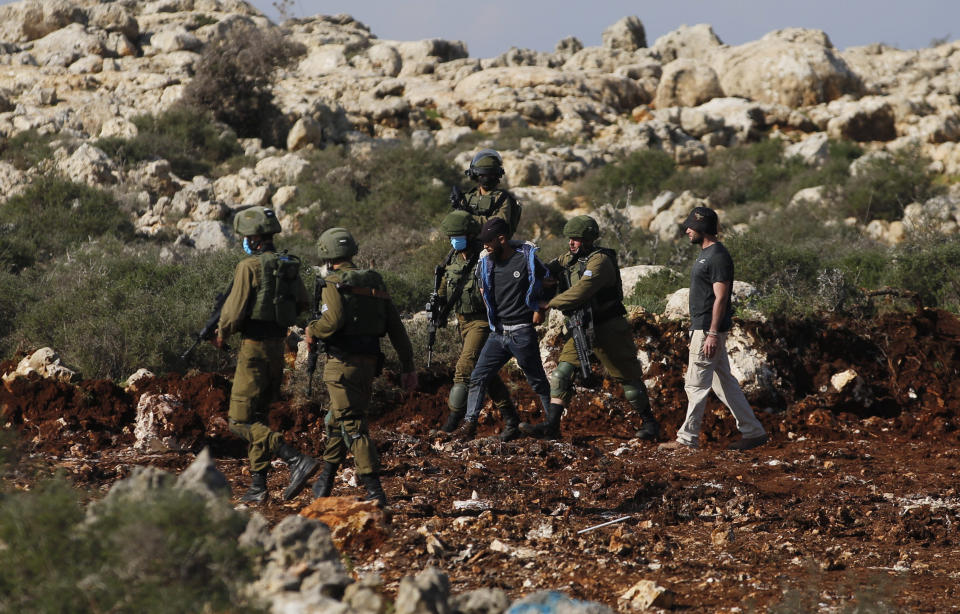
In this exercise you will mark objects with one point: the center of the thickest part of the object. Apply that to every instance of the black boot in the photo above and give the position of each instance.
(453, 421)
(549, 428)
(257, 493)
(324, 484)
(511, 424)
(650, 428)
(374, 489)
(301, 467)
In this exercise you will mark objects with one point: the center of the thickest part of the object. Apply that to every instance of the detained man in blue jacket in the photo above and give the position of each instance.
(511, 278)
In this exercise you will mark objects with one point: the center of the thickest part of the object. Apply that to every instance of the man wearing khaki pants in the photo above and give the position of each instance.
(711, 285)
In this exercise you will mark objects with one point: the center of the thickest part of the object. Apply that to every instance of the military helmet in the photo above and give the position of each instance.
(486, 162)
(336, 243)
(582, 227)
(460, 223)
(256, 221)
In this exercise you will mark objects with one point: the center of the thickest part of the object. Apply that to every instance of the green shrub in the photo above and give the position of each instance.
(651, 291)
(111, 309)
(26, 149)
(52, 216)
(642, 173)
(233, 80)
(186, 137)
(927, 265)
(166, 553)
(887, 185)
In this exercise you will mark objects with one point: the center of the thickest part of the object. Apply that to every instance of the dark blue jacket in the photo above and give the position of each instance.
(535, 291)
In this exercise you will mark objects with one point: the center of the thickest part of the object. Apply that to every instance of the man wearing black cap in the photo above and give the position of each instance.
(711, 284)
(510, 277)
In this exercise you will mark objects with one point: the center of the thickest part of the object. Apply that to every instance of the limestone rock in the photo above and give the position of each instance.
(627, 34)
(152, 423)
(794, 68)
(89, 165)
(46, 363)
(352, 522)
(687, 83)
(697, 42)
(812, 150)
(646, 594)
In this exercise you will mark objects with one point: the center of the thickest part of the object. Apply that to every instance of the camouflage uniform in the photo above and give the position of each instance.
(494, 203)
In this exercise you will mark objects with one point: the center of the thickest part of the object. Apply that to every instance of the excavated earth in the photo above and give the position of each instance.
(854, 500)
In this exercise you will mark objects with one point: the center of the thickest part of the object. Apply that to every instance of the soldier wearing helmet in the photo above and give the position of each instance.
(460, 294)
(486, 200)
(590, 277)
(266, 296)
(356, 312)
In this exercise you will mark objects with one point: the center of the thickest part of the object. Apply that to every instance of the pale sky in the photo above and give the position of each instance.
(490, 27)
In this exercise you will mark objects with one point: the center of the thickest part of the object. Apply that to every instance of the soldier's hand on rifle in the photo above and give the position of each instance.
(216, 340)
(409, 381)
(311, 340)
(539, 317)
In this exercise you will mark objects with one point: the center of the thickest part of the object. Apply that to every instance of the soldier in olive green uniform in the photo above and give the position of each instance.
(264, 300)
(356, 313)
(461, 296)
(486, 200)
(593, 281)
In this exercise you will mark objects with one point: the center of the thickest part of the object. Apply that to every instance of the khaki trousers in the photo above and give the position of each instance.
(256, 384)
(706, 374)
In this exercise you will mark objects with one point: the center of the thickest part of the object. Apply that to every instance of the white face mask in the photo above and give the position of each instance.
(324, 270)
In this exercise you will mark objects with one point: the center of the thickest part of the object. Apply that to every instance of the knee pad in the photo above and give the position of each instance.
(457, 401)
(561, 380)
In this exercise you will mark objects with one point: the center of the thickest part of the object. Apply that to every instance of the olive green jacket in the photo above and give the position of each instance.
(333, 318)
(481, 206)
(470, 302)
(600, 273)
(247, 278)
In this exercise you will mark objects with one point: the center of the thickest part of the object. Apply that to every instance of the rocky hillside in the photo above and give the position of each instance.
(83, 70)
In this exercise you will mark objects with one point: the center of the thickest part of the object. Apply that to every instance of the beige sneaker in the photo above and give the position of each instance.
(676, 445)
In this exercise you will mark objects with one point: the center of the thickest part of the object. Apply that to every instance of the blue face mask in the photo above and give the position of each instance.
(246, 246)
(459, 243)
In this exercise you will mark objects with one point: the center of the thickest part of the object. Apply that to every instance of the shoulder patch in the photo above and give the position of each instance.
(588, 273)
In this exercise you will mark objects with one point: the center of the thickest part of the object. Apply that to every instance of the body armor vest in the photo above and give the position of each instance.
(365, 313)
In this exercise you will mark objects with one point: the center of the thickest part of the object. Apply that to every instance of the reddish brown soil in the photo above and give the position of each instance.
(857, 492)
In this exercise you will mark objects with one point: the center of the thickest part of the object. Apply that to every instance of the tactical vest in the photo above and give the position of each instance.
(470, 301)
(608, 301)
(488, 204)
(276, 299)
(364, 297)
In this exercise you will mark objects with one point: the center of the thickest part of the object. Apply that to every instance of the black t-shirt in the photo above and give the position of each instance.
(510, 283)
(713, 264)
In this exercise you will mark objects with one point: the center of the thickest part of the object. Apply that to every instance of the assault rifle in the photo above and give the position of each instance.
(578, 323)
(457, 200)
(436, 310)
(210, 327)
(318, 345)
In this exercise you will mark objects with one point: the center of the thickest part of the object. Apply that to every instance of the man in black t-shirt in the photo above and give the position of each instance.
(510, 277)
(711, 285)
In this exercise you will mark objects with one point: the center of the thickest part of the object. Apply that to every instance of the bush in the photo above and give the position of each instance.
(52, 216)
(186, 137)
(166, 553)
(233, 80)
(927, 265)
(112, 309)
(651, 292)
(26, 149)
(642, 173)
(887, 185)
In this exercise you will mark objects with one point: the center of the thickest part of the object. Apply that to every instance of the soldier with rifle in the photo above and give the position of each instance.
(457, 292)
(591, 297)
(356, 312)
(264, 300)
(486, 199)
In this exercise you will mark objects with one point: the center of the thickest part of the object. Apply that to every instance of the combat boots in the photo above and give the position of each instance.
(467, 431)
(511, 424)
(650, 428)
(453, 421)
(301, 467)
(549, 428)
(257, 493)
(324, 484)
(374, 489)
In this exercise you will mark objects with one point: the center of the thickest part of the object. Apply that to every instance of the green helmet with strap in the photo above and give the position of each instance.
(256, 221)
(336, 244)
(582, 227)
(460, 223)
(487, 163)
